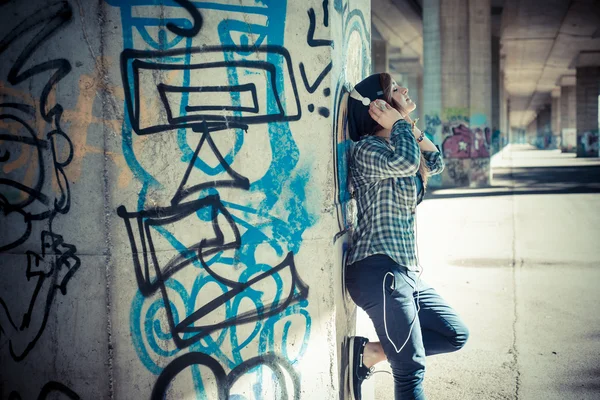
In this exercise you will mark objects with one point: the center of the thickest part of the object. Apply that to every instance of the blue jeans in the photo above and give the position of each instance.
(377, 283)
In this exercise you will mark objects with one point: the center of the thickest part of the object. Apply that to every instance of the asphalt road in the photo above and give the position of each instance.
(520, 261)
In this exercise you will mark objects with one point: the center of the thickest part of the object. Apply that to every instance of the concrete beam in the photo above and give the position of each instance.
(567, 80)
(588, 59)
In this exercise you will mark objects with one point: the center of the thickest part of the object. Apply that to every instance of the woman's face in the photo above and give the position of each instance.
(400, 94)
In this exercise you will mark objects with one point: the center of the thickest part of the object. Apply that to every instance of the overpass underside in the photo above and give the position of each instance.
(489, 72)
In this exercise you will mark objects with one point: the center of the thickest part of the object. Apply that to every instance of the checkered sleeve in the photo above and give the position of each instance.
(376, 161)
(435, 161)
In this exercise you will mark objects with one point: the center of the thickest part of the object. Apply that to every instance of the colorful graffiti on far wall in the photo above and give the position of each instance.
(466, 143)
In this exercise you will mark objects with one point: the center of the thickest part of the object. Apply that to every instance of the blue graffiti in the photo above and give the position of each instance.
(156, 322)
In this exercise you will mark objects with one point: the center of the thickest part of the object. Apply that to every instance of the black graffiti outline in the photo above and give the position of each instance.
(132, 96)
(196, 16)
(310, 39)
(151, 282)
(164, 215)
(224, 381)
(47, 389)
(326, 12)
(54, 22)
(250, 87)
(51, 18)
(236, 181)
(62, 259)
(312, 88)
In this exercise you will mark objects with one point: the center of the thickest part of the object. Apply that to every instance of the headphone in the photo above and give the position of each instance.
(364, 100)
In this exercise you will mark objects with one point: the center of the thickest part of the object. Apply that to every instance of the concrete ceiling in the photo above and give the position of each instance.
(400, 24)
(540, 41)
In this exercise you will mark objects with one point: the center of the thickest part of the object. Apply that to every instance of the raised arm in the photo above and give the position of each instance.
(374, 160)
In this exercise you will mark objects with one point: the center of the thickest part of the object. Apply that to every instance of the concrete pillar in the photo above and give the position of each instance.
(480, 63)
(568, 103)
(409, 72)
(555, 111)
(505, 133)
(588, 92)
(432, 69)
(380, 56)
(544, 128)
(531, 132)
(458, 86)
(174, 209)
(497, 99)
(412, 82)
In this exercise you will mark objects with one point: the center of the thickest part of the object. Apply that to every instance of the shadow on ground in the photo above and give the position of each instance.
(529, 181)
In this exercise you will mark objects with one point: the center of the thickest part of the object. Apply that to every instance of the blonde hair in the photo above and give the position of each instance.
(386, 80)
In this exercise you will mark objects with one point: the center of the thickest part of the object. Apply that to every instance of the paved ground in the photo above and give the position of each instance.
(521, 263)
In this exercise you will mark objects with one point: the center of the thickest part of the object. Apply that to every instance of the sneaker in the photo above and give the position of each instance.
(358, 371)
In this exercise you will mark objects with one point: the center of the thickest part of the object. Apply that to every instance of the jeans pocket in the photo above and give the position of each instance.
(403, 288)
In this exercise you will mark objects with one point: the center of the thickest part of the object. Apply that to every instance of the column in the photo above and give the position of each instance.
(555, 111)
(411, 81)
(458, 86)
(587, 92)
(379, 55)
(174, 225)
(496, 97)
(544, 127)
(568, 102)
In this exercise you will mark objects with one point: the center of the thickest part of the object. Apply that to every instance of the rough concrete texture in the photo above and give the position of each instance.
(173, 205)
(519, 262)
(458, 88)
(588, 122)
(568, 118)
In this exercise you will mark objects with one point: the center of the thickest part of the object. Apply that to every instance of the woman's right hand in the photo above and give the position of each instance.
(384, 114)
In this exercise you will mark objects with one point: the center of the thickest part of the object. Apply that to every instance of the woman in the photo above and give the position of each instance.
(389, 169)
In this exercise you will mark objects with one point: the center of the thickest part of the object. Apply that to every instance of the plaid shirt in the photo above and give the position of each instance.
(383, 176)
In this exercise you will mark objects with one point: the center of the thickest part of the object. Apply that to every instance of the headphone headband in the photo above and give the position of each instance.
(364, 100)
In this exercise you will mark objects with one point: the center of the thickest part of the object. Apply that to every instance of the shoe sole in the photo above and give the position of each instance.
(351, 363)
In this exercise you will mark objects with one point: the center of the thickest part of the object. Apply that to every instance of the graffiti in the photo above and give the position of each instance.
(455, 114)
(279, 366)
(312, 88)
(588, 144)
(214, 240)
(196, 16)
(310, 39)
(457, 171)
(466, 146)
(479, 171)
(133, 65)
(29, 202)
(356, 53)
(50, 391)
(432, 123)
(569, 140)
(466, 143)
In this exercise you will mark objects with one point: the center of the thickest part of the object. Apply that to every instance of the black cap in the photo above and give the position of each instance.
(359, 121)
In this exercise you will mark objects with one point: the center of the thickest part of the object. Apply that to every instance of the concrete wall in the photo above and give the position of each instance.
(544, 128)
(568, 119)
(588, 93)
(173, 195)
(555, 111)
(457, 92)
